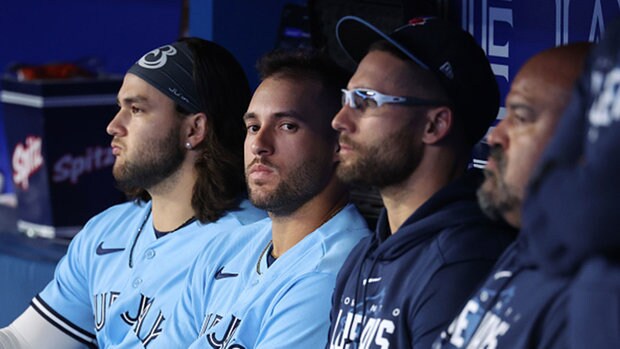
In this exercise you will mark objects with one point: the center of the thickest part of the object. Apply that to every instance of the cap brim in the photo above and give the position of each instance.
(355, 36)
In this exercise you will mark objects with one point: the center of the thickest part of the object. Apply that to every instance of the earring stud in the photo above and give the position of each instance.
(188, 146)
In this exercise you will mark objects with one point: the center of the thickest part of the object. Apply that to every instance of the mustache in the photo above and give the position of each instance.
(343, 139)
(260, 161)
(496, 152)
(116, 142)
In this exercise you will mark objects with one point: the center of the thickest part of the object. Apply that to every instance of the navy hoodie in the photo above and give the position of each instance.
(558, 286)
(400, 290)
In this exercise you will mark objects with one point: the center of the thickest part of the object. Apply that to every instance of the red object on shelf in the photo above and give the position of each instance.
(52, 71)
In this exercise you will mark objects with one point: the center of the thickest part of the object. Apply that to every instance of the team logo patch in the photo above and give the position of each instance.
(157, 58)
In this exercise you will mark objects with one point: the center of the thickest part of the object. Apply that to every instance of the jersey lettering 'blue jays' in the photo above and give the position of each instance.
(234, 300)
(400, 290)
(97, 297)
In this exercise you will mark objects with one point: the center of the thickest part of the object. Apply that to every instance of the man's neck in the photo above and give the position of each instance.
(287, 230)
(403, 199)
(172, 200)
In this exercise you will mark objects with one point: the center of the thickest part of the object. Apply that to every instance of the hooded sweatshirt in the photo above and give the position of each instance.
(574, 207)
(558, 286)
(399, 290)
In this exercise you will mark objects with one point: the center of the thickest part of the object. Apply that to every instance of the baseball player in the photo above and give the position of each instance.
(519, 305)
(177, 140)
(419, 100)
(269, 285)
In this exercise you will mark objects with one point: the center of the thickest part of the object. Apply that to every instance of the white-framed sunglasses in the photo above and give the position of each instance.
(364, 98)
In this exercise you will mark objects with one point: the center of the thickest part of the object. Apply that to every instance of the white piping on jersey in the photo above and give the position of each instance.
(61, 322)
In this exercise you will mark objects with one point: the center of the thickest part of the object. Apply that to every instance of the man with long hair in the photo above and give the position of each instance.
(178, 139)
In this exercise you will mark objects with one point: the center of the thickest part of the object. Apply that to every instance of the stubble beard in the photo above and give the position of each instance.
(302, 184)
(158, 162)
(496, 197)
(380, 165)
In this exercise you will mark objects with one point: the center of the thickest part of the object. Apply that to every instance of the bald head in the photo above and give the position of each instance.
(550, 75)
(538, 96)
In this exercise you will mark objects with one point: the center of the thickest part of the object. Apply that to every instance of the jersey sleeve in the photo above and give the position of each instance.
(30, 330)
(65, 301)
(300, 317)
(442, 299)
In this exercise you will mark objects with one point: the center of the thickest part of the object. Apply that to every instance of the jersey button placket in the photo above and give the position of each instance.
(137, 282)
(149, 254)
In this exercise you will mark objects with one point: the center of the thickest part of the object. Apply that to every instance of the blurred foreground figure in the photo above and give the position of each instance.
(521, 305)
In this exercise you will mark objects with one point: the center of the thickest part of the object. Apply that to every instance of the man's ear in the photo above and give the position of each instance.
(438, 124)
(195, 128)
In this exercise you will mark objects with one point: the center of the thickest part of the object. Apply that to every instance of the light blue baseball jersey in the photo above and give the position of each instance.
(233, 300)
(119, 282)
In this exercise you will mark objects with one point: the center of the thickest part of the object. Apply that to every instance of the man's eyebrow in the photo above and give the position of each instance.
(519, 105)
(248, 116)
(282, 114)
(131, 99)
(288, 114)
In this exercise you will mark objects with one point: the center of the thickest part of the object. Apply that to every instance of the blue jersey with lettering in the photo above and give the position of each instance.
(234, 300)
(400, 290)
(119, 282)
(559, 286)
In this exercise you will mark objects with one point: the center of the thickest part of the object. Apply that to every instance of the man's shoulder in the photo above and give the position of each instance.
(592, 321)
(246, 213)
(239, 241)
(345, 229)
(122, 210)
(483, 239)
(115, 220)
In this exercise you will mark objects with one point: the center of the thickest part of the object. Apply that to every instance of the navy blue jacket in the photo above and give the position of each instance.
(402, 289)
(558, 286)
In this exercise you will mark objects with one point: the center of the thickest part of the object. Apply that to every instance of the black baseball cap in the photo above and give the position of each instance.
(444, 49)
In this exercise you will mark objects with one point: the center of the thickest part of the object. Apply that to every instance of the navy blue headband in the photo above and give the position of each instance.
(170, 70)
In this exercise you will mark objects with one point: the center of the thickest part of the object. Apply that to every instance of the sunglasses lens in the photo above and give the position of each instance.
(358, 99)
(349, 98)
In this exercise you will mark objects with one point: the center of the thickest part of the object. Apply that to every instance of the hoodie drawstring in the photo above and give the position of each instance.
(360, 279)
